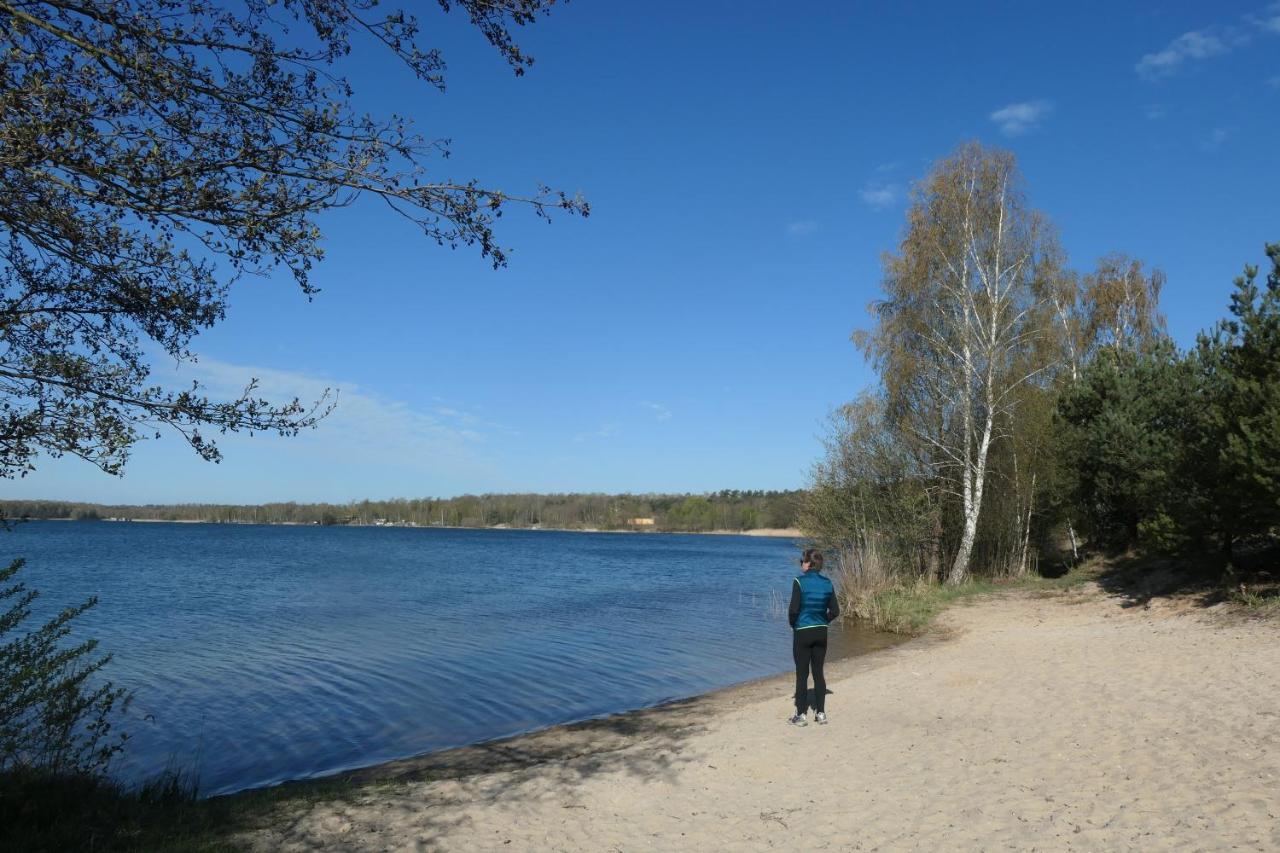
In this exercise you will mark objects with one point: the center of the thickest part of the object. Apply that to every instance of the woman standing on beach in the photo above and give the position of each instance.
(813, 606)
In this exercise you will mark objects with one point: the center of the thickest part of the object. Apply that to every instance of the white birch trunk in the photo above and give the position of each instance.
(960, 566)
(1026, 527)
(972, 505)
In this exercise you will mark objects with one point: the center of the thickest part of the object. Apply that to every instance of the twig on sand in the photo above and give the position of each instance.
(775, 816)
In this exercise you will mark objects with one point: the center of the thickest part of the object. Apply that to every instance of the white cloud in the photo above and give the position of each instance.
(1017, 119)
(660, 411)
(801, 227)
(878, 196)
(1188, 47)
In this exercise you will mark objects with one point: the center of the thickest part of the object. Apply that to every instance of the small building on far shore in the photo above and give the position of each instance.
(640, 522)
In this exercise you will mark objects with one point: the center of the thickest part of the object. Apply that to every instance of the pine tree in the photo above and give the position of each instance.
(1239, 442)
(1124, 427)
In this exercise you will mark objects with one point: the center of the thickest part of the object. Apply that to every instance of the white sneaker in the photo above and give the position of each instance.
(798, 720)
(820, 718)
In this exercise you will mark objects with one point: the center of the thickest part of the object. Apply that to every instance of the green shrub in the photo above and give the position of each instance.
(53, 720)
(1161, 534)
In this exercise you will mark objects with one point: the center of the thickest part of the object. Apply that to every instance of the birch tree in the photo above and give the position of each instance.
(1121, 305)
(967, 297)
(1115, 307)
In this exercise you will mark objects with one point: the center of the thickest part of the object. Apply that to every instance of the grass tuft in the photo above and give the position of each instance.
(903, 609)
(1258, 600)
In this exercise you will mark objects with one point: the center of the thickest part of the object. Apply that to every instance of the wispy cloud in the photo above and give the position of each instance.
(879, 195)
(605, 431)
(1274, 82)
(364, 422)
(1188, 47)
(1268, 20)
(1017, 119)
(468, 419)
(801, 227)
(1218, 136)
(881, 190)
(1154, 112)
(1206, 43)
(660, 411)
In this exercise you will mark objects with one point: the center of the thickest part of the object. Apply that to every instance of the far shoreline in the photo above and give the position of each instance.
(759, 532)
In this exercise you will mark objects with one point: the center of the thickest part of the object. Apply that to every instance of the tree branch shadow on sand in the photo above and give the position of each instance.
(347, 812)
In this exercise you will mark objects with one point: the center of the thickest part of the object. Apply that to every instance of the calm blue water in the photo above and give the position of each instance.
(260, 654)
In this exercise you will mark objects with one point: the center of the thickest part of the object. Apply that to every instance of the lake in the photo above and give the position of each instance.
(259, 654)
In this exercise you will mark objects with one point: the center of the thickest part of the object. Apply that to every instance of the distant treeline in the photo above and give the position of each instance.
(723, 510)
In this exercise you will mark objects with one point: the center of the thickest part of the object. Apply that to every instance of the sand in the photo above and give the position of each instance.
(778, 532)
(1052, 723)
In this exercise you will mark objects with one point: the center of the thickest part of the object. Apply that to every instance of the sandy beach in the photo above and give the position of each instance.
(1067, 722)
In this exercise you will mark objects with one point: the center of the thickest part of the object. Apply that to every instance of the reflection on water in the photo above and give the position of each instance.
(260, 654)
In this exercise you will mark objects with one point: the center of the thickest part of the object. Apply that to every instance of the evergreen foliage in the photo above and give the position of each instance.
(1123, 433)
(1176, 450)
(1237, 451)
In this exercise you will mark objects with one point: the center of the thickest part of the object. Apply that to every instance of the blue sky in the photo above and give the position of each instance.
(747, 164)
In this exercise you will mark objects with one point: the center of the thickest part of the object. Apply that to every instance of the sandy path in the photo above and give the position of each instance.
(1036, 723)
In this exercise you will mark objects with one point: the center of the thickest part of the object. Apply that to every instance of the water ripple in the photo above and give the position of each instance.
(260, 654)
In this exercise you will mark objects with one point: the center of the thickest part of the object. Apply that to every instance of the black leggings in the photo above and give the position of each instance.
(809, 648)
